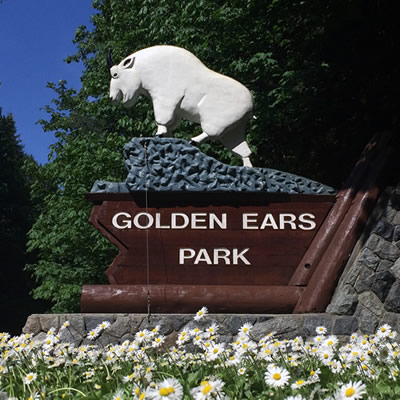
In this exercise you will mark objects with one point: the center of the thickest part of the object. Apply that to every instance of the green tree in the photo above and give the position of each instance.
(16, 218)
(319, 95)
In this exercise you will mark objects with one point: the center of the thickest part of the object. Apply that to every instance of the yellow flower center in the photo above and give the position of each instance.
(141, 396)
(300, 382)
(276, 376)
(349, 392)
(215, 351)
(206, 388)
(165, 391)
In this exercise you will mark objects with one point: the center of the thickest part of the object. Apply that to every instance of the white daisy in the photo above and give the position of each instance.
(331, 341)
(276, 376)
(118, 395)
(209, 389)
(212, 329)
(129, 378)
(246, 328)
(201, 314)
(104, 325)
(167, 389)
(214, 351)
(298, 384)
(158, 341)
(29, 378)
(92, 335)
(51, 331)
(384, 331)
(321, 330)
(352, 391)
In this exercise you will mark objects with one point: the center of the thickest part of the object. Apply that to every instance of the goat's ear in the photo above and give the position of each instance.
(128, 63)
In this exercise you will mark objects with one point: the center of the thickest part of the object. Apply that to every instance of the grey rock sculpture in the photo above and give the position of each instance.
(161, 164)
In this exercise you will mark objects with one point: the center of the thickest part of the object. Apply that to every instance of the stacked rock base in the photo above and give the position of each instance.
(125, 326)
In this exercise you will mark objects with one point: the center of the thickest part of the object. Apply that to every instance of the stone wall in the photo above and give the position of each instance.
(369, 288)
(124, 326)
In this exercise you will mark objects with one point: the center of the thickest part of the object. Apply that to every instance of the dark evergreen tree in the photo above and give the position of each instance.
(16, 218)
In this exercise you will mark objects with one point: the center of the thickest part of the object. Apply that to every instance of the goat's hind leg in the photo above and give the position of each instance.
(236, 143)
(199, 138)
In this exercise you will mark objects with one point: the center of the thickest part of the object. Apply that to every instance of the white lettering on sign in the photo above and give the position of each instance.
(248, 220)
(147, 216)
(179, 220)
(179, 217)
(214, 257)
(116, 221)
(282, 221)
(145, 220)
(307, 219)
(269, 221)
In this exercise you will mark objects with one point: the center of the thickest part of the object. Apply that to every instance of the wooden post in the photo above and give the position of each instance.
(318, 293)
(344, 199)
(188, 298)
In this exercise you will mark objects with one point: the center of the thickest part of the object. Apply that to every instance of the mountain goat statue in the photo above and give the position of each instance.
(181, 86)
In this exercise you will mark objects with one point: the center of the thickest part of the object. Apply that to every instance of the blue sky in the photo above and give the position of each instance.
(35, 37)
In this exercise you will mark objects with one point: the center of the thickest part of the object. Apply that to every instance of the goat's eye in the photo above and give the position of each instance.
(127, 62)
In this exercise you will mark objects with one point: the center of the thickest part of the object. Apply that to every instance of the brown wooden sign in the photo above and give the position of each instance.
(206, 241)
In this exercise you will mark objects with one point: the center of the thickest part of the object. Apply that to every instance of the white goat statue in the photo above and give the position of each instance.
(181, 86)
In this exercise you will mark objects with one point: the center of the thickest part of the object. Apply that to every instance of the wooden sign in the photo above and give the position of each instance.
(244, 243)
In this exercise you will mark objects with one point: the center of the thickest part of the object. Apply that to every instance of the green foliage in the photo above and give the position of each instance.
(16, 218)
(14, 191)
(315, 69)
